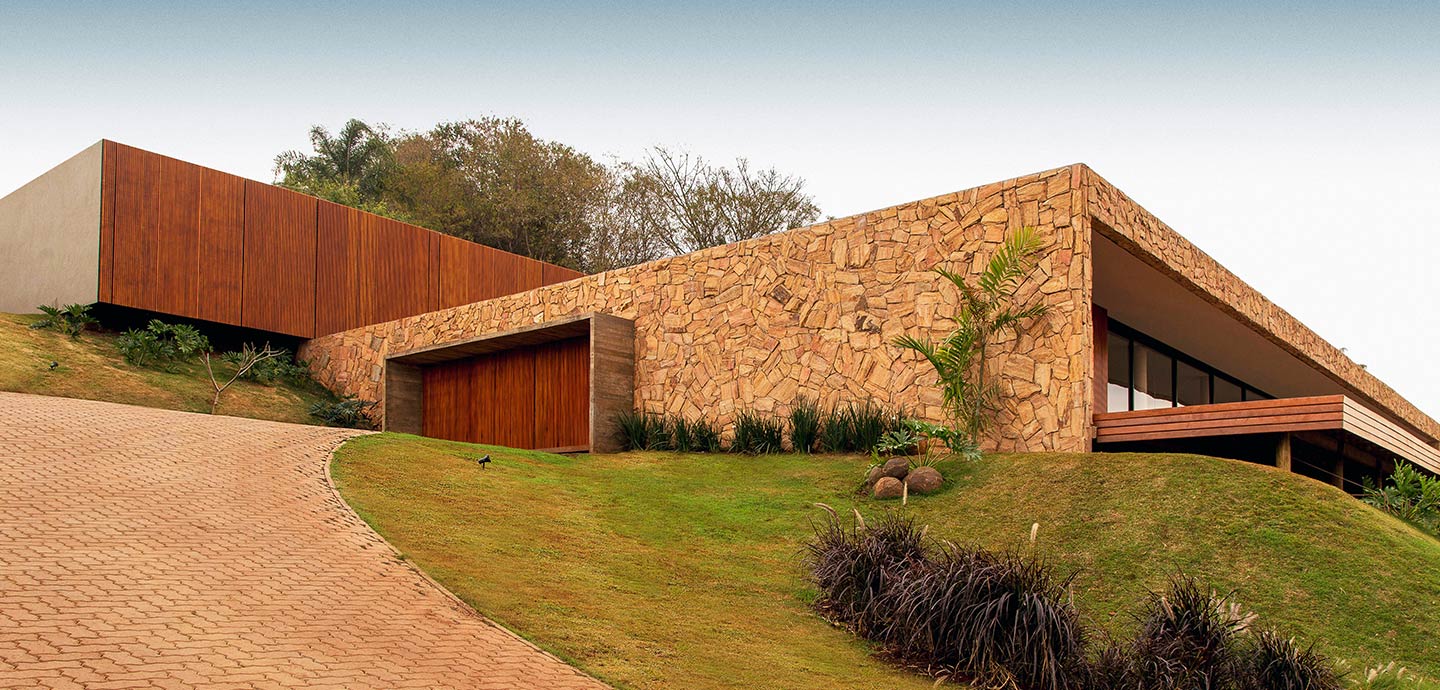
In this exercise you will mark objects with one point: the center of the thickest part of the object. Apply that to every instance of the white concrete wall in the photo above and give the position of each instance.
(50, 237)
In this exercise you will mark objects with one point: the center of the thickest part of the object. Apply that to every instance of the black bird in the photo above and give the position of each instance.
(53, 365)
(483, 461)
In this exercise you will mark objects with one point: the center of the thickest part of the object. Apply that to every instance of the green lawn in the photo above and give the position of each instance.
(90, 367)
(668, 570)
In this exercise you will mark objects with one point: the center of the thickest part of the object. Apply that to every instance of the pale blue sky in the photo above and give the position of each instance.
(1296, 143)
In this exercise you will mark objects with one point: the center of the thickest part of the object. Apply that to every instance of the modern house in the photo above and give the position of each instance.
(1149, 343)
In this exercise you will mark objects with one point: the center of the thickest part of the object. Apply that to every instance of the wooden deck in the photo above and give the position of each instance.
(1321, 413)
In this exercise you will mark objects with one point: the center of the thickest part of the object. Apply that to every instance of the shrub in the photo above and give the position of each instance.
(804, 425)
(835, 431)
(644, 431)
(1003, 619)
(1187, 638)
(855, 428)
(1409, 495)
(852, 566)
(705, 437)
(71, 319)
(161, 344)
(757, 434)
(350, 412)
(1272, 662)
(283, 368)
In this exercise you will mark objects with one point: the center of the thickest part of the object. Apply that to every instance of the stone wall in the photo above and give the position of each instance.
(812, 312)
(1145, 236)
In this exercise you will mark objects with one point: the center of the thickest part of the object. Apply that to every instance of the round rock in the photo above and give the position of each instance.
(874, 475)
(924, 480)
(895, 467)
(889, 487)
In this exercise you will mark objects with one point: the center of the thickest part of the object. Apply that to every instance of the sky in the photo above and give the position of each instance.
(1297, 143)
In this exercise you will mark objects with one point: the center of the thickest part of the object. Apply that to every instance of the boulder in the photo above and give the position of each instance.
(895, 467)
(874, 475)
(889, 487)
(924, 480)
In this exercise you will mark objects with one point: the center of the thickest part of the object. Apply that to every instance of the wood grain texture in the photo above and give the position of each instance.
(280, 241)
(222, 246)
(1100, 321)
(562, 394)
(177, 238)
(107, 219)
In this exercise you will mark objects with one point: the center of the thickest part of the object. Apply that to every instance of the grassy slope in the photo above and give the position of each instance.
(659, 570)
(91, 368)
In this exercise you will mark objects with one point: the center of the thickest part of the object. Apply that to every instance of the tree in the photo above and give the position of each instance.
(353, 167)
(986, 309)
(686, 204)
(492, 181)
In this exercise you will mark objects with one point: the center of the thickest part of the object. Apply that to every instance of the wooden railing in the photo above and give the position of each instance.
(1320, 413)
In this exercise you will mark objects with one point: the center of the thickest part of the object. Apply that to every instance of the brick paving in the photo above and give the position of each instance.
(145, 548)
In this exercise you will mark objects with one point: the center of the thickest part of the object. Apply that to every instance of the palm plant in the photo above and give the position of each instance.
(987, 309)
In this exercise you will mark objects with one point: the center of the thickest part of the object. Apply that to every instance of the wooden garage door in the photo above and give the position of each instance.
(533, 397)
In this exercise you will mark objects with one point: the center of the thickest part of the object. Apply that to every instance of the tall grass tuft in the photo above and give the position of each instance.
(853, 564)
(683, 435)
(1273, 662)
(705, 437)
(804, 425)
(757, 434)
(644, 431)
(1188, 638)
(855, 428)
(1002, 619)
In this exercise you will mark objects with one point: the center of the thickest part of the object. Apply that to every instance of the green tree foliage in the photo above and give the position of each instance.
(352, 167)
(1410, 495)
(492, 181)
(987, 308)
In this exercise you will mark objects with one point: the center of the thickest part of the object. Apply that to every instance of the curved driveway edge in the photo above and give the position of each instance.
(144, 548)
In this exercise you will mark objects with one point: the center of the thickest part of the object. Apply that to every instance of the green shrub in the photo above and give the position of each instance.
(640, 430)
(160, 344)
(804, 425)
(855, 428)
(705, 437)
(281, 369)
(682, 434)
(71, 319)
(1409, 495)
(757, 434)
(350, 412)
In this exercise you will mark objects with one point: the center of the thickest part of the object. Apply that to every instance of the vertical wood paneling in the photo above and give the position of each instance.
(337, 269)
(222, 246)
(180, 239)
(280, 237)
(448, 396)
(514, 400)
(562, 394)
(176, 238)
(1100, 389)
(107, 220)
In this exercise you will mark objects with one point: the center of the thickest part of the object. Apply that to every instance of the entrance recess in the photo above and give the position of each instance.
(553, 386)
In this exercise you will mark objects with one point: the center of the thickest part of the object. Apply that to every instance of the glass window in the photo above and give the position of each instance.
(1192, 386)
(1118, 392)
(1154, 385)
(1227, 391)
(1252, 394)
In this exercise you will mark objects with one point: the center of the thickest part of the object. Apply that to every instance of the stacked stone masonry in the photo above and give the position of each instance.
(813, 312)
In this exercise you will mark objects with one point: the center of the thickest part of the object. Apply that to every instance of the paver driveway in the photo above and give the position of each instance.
(148, 548)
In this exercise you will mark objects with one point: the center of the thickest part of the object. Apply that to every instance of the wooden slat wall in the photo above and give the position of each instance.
(562, 394)
(182, 239)
(280, 240)
(1101, 384)
(222, 246)
(530, 397)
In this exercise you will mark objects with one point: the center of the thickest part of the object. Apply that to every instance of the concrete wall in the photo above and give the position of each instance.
(811, 312)
(50, 237)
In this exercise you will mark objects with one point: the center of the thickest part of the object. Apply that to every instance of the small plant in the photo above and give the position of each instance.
(705, 437)
(804, 425)
(1273, 662)
(282, 368)
(987, 308)
(899, 441)
(757, 434)
(350, 412)
(836, 435)
(1409, 495)
(852, 565)
(854, 428)
(683, 435)
(161, 344)
(1188, 638)
(71, 319)
(1391, 676)
(645, 431)
(956, 442)
(244, 361)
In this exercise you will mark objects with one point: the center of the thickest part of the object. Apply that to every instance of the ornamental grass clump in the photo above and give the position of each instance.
(757, 434)
(853, 564)
(804, 425)
(1274, 662)
(1000, 620)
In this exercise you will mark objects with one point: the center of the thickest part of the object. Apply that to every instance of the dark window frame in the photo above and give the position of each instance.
(1177, 356)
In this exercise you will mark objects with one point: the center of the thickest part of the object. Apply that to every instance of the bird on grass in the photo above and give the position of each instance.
(482, 461)
(54, 364)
